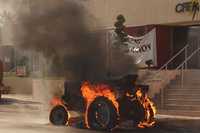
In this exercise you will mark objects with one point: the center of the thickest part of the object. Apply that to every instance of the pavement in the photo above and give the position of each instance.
(21, 113)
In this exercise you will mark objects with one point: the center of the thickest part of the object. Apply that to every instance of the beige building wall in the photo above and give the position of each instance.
(138, 12)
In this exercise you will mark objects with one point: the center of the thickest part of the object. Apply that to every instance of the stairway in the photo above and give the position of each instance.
(165, 86)
(183, 100)
(156, 81)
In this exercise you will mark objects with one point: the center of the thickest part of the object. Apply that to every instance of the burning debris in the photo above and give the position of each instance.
(92, 93)
(110, 103)
(149, 107)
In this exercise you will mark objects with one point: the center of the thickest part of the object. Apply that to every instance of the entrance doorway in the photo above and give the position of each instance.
(187, 35)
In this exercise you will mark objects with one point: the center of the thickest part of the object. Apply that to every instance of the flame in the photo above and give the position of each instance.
(149, 109)
(139, 93)
(90, 92)
(56, 101)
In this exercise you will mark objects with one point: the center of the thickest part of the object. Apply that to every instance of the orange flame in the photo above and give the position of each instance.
(150, 110)
(90, 92)
(56, 101)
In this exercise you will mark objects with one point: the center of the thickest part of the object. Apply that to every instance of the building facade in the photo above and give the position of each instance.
(141, 12)
(176, 21)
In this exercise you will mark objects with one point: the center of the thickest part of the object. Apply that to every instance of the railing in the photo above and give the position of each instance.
(183, 65)
(184, 49)
(166, 65)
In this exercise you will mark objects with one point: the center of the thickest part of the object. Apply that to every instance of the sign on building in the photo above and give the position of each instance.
(189, 6)
(142, 48)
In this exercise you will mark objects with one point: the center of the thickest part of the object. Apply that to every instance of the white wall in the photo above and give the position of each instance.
(138, 12)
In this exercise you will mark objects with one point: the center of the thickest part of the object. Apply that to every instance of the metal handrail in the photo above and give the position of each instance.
(177, 54)
(172, 59)
(187, 59)
(181, 66)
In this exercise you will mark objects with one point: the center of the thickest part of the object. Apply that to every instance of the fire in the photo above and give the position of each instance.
(150, 110)
(56, 101)
(90, 92)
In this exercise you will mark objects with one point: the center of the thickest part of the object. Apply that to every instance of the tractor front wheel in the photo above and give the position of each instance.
(59, 115)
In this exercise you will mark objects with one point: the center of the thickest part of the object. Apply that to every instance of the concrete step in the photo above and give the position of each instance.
(197, 73)
(182, 107)
(189, 81)
(184, 87)
(183, 101)
(190, 113)
(188, 78)
(181, 91)
(182, 96)
(192, 71)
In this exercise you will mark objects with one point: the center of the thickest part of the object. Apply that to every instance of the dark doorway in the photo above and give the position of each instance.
(186, 35)
(194, 42)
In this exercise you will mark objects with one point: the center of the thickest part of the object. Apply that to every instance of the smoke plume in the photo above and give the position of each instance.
(62, 34)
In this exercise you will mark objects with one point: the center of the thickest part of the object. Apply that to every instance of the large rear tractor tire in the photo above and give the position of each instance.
(59, 115)
(102, 114)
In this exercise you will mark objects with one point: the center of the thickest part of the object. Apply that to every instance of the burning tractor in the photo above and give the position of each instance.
(105, 105)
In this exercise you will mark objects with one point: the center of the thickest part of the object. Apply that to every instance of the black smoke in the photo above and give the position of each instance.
(62, 34)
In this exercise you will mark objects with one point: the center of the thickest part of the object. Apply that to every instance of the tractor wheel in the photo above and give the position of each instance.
(59, 115)
(102, 114)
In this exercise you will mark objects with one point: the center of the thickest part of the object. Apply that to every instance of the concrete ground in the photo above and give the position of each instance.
(20, 113)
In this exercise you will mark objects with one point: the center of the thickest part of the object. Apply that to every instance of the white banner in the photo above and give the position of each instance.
(142, 48)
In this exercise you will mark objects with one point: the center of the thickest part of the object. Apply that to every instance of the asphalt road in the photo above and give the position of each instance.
(21, 114)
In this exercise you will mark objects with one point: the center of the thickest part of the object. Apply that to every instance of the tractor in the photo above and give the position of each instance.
(106, 104)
